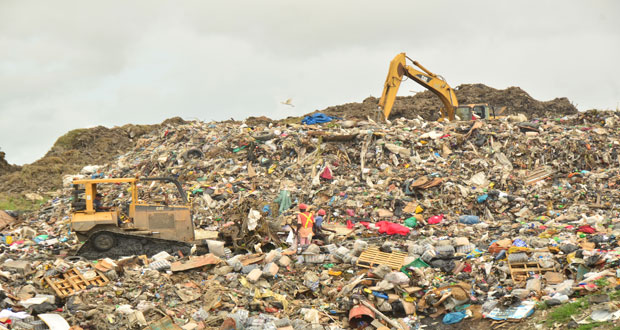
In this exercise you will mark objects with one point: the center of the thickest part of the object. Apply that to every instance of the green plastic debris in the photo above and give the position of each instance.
(411, 222)
(418, 263)
(239, 148)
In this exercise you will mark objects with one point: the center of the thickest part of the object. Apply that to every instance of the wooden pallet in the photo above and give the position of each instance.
(520, 271)
(72, 281)
(372, 257)
(538, 174)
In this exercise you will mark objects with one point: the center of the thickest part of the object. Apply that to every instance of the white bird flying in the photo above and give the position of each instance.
(288, 102)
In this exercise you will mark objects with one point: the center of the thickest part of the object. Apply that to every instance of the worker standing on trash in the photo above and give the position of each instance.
(305, 223)
(318, 226)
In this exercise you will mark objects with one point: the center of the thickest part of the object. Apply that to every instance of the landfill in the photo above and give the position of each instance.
(427, 225)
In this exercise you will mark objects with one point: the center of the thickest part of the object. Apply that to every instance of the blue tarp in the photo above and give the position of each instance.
(317, 118)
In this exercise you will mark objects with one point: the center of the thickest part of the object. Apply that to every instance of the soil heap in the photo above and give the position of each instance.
(71, 152)
(5, 167)
(426, 104)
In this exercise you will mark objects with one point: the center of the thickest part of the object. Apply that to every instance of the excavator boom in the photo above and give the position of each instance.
(434, 83)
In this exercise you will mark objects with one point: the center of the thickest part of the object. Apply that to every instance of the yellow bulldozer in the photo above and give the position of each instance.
(436, 84)
(133, 228)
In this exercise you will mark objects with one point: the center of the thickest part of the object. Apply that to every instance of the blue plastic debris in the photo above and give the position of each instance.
(317, 118)
(455, 317)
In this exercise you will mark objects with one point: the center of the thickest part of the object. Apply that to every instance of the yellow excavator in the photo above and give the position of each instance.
(433, 82)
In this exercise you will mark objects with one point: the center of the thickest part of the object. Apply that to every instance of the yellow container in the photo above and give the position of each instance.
(9, 239)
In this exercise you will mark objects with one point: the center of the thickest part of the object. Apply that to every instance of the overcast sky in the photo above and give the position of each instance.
(74, 64)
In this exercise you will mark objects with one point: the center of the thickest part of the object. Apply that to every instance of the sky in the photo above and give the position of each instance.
(75, 64)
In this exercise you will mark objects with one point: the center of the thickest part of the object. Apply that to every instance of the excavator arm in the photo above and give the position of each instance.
(431, 81)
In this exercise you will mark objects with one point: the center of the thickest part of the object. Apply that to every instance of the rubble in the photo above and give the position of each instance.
(429, 222)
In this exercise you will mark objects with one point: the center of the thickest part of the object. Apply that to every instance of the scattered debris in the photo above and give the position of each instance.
(415, 223)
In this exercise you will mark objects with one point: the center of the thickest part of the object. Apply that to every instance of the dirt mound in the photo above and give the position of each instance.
(426, 104)
(257, 121)
(5, 167)
(74, 150)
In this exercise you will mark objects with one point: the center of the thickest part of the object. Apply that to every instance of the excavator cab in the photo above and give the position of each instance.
(141, 227)
(475, 111)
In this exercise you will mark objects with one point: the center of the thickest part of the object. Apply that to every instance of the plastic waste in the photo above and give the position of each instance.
(488, 306)
(517, 257)
(455, 317)
(411, 222)
(469, 219)
(435, 219)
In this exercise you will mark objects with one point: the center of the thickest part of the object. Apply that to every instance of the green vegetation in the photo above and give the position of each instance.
(614, 295)
(541, 306)
(19, 203)
(562, 314)
(593, 325)
(67, 141)
(601, 283)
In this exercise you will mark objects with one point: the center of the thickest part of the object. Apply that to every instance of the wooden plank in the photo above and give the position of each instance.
(54, 287)
(538, 174)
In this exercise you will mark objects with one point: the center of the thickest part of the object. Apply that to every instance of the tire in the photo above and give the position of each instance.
(103, 241)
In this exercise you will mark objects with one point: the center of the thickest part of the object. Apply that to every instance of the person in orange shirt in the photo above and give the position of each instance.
(305, 223)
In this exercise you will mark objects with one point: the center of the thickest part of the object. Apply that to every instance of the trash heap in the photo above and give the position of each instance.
(513, 100)
(432, 223)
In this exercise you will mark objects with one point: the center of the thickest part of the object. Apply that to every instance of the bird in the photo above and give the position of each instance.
(288, 102)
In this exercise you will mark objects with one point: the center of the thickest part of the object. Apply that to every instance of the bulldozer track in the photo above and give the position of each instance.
(109, 244)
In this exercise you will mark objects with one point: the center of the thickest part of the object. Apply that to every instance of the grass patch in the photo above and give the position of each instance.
(593, 325)
(19, 203)
(601, 283)
(68, 140)
(562, 314)
(615, 295)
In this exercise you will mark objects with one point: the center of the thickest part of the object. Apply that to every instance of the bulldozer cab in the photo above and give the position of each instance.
(475, 111)
(167, 217)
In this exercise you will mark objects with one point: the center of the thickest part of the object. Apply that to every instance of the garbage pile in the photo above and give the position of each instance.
(426, 104)
(429, 222)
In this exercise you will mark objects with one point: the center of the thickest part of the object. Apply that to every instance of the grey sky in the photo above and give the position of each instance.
(73, 64)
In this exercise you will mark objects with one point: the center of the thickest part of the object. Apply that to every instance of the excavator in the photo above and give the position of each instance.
(135, 228)
(433, 82)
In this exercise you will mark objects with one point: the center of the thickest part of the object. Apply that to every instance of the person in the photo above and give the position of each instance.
(98, 203)
(318, 225)
(305, 223)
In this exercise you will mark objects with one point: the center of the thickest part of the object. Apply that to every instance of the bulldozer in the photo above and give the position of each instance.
(436, 84)
(135, 227)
